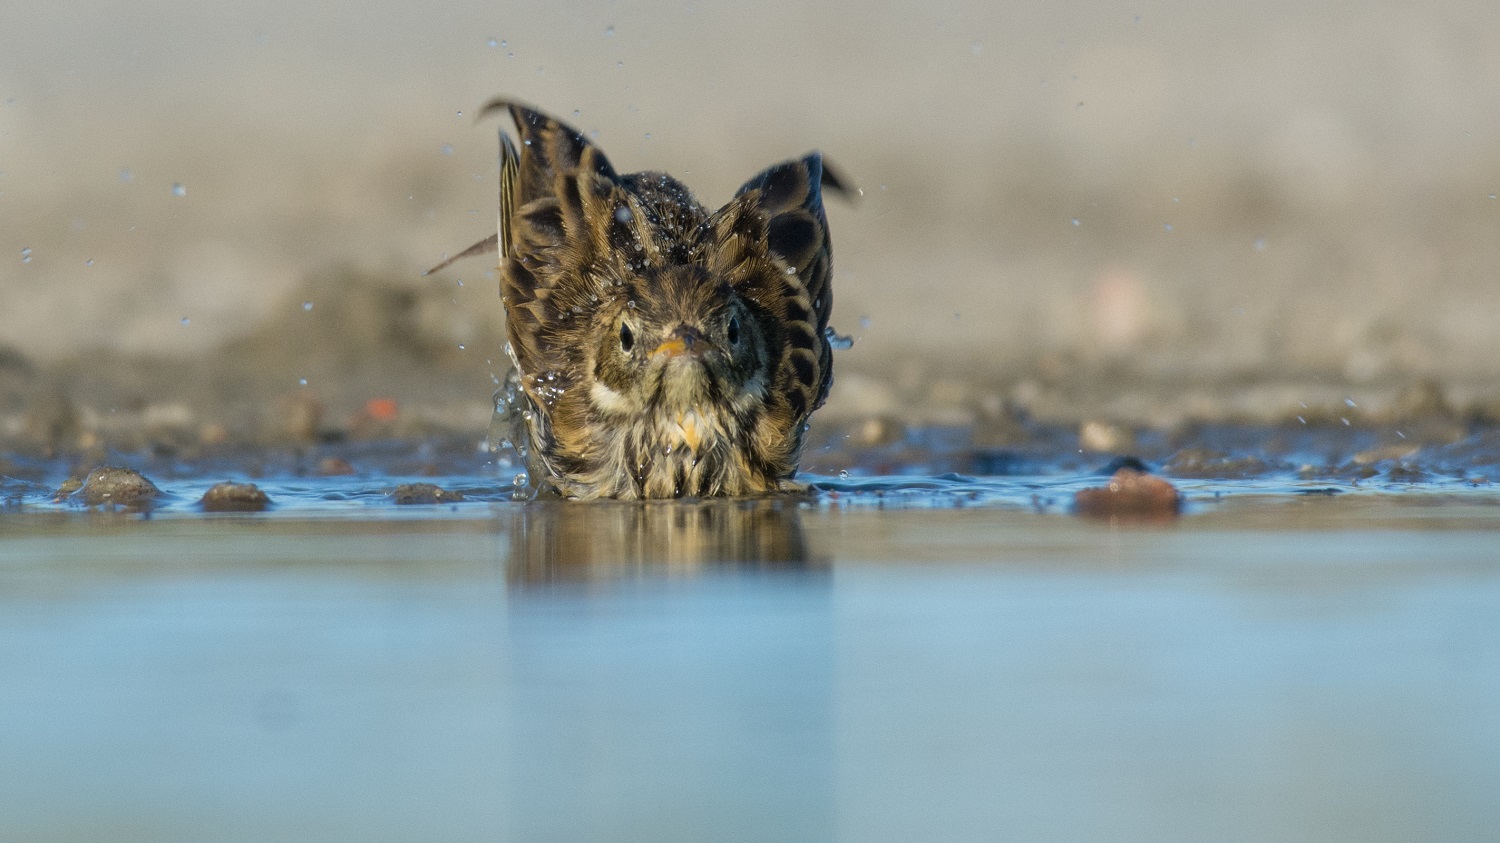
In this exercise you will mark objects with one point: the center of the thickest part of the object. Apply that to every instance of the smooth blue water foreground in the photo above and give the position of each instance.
(1278, 669)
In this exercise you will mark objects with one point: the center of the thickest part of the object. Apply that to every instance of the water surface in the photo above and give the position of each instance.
(1270, 667)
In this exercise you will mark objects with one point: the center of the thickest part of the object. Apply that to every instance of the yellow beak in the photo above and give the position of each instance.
(682, 341)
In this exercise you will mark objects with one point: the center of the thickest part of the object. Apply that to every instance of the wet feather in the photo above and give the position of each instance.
(661, 350)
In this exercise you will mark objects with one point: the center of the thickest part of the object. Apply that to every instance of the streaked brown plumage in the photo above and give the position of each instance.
(662, 350)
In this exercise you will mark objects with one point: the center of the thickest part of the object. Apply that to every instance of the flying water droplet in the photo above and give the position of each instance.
(89, 262)
(623, 213)
(447, 149)
(1349, 402)
(1077, 222)
(865, 322)
(26, 255)
(494, 42)
(184, 322)
(1167, 226)
(179, 189)
(307, 305)
(127, 176)
(1260, 244)
(302, 381)
(630, 304)
(837, 341)
(609, 32)
(519, 480)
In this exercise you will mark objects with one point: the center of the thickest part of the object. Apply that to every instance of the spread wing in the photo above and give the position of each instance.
(771, 243)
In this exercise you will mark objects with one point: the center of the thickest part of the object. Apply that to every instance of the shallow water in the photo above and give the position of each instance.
(1272, 666)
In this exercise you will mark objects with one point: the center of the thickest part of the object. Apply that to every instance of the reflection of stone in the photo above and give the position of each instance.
(553, 540)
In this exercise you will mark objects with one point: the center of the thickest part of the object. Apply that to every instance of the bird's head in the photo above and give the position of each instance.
(679, 339)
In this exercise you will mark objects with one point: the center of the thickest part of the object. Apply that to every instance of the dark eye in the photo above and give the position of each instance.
(734, 330)
(627, 339)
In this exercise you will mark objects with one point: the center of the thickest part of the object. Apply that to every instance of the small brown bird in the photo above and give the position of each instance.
(660, 350)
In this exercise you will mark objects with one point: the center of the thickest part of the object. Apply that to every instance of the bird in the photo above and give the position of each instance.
(658, 349)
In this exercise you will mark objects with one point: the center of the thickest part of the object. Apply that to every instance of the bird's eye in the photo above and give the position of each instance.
(734, 330)
(627, 339)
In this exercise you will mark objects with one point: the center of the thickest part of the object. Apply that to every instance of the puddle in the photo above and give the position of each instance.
(925, 645)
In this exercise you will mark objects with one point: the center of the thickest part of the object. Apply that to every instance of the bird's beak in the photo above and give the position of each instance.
(682, 342)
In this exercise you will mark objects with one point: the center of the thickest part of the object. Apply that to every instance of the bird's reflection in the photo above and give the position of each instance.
(560, 541)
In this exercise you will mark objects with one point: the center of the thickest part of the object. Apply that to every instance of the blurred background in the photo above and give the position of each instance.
(1156, 211)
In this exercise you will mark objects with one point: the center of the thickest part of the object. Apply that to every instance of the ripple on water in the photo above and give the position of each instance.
(921, 468)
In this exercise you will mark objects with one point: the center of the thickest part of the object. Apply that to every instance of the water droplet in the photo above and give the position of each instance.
(623, 213)
(1492, 196)
(648, 136)
(519, 479)
(865, 322)
(1300, 419)
(26, 255)
(1344, 420)
(630, 304)
(836, 340)
(126, 175)
(976, 48)
(89, 262)
(619, 64)
(844, 474)
(302, 381)
(1260, 244)
(307, 305)
(1350, 402)
(791, 270)
(447, 149)
(609, 32)
(1077, 221)
(494, 42)
(526, 142)
(179, 189)
(460, 346)
(1167, 226)
(185, 321)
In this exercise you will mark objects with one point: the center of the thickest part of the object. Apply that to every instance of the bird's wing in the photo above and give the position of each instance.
(771, 243)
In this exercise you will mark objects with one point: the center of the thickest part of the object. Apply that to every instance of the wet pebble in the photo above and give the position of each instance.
(234, 497)
(113, 485)
(1130, 494)
(424, 493)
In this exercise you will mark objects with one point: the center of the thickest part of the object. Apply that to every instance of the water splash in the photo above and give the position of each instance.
(837, 341)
